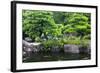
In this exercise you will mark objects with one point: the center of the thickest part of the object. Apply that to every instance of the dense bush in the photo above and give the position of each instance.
(49, 44)
(49, 24)
(77, 23)
(39, 24)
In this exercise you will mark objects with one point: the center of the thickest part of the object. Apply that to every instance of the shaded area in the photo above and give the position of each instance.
(36, 52)
(41, 57)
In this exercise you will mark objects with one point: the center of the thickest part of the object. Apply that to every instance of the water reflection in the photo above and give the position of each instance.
(55, 56)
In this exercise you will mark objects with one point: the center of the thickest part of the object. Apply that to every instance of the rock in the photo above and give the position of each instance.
(71, 48)
(24, 54)
(28, 39)
(30, 48)
(85, 49)
(26, 44)
(34, 47)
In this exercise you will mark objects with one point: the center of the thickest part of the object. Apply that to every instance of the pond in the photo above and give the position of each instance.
(61, 56)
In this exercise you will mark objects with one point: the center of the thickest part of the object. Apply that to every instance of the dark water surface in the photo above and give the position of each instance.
(42, 57)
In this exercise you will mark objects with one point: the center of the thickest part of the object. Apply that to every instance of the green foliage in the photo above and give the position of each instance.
(72, 40)
(50, 43)
(57, 28)
(84, 43)
(77, 23)
(39, 24)
(58, 17)
(87, 37)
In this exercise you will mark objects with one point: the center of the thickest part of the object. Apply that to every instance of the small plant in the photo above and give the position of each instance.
(84, 43)
(49, 44)
(87, 36)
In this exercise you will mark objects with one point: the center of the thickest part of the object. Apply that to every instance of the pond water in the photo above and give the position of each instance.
(48, 56)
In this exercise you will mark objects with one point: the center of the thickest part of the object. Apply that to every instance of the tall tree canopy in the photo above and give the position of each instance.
(39, 24)
(52, 24)
(77, 23)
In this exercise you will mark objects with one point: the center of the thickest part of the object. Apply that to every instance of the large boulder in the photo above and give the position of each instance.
(31, 47)
(68, 48)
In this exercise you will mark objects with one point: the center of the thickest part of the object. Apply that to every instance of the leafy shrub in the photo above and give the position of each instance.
(87, 37)
(85, 43)
(48, 44)
(37, 39)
